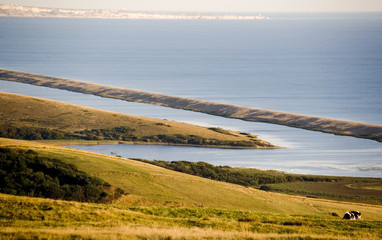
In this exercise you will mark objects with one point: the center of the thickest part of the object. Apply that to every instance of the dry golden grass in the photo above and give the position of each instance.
(154, 233)
(33, 218)
(24, 111)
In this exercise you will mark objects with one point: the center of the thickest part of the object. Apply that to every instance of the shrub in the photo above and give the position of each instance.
(265, 188)
(26, 173)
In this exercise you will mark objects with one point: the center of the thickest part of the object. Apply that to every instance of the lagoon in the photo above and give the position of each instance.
(322, 66)
(303, 151)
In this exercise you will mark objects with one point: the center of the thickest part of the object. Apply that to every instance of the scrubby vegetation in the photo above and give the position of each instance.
(127, 134)
(118, 133)
(220, 130)
(32, 133)
(330, 187)
(28, 174)
(242, 176)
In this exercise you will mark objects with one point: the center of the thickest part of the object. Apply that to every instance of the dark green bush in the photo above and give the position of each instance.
(118, 133)
(242, 176)
(28, 174)
(31, 133)
(265, 188)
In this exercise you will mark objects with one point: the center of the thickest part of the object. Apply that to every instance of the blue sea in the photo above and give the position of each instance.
(327, 65)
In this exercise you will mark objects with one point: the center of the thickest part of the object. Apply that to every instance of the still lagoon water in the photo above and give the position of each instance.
(326, 66)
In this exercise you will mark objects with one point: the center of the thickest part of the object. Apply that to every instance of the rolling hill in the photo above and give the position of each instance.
(161, 203)
(31, 118)
(146, 184)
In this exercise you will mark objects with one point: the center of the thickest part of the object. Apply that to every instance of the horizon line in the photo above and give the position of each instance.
(189, 11)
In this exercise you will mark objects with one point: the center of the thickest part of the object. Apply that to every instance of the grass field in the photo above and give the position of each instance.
(369, 192)
(163, 204)
(32, 118)
(32, 218)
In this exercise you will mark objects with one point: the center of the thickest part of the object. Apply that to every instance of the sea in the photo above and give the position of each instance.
(327, 65)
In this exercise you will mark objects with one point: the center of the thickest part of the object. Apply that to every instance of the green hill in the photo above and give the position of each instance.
(146, 184)
(23, 117)
(354, 189)
(164, 204)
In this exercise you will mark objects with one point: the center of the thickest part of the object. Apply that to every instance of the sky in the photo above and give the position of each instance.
(213, 5)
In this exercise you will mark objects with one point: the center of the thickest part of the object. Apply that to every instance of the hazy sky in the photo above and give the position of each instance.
(213, 5)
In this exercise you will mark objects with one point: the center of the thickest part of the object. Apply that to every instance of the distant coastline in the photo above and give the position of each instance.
(39, 12)
(326, 125)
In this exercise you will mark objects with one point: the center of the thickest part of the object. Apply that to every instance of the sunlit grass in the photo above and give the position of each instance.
(148, 185)
(163, 204)
(36, 118)
(44, 218)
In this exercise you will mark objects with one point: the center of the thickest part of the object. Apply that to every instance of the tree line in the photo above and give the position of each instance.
(117, 133)
(25, 173)
(243, 176)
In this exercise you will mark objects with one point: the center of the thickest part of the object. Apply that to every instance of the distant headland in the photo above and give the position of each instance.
(340, 127)
(39, 12)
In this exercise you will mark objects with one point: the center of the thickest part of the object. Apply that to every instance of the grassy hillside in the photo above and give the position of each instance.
(32, 218)
(164, 204)
(355, 189)
(23, 117)
(148, 185)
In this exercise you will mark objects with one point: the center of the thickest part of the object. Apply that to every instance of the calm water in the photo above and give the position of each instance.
(324, 66)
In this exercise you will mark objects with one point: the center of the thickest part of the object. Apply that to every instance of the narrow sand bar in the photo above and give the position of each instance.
(340, 127)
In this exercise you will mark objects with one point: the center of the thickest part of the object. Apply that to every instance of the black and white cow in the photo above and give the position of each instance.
(352, 215)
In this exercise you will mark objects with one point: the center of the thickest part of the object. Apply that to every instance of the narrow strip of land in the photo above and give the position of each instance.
(340, 127)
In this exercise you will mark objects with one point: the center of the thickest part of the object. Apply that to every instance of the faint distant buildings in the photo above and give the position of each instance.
(22, 11)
